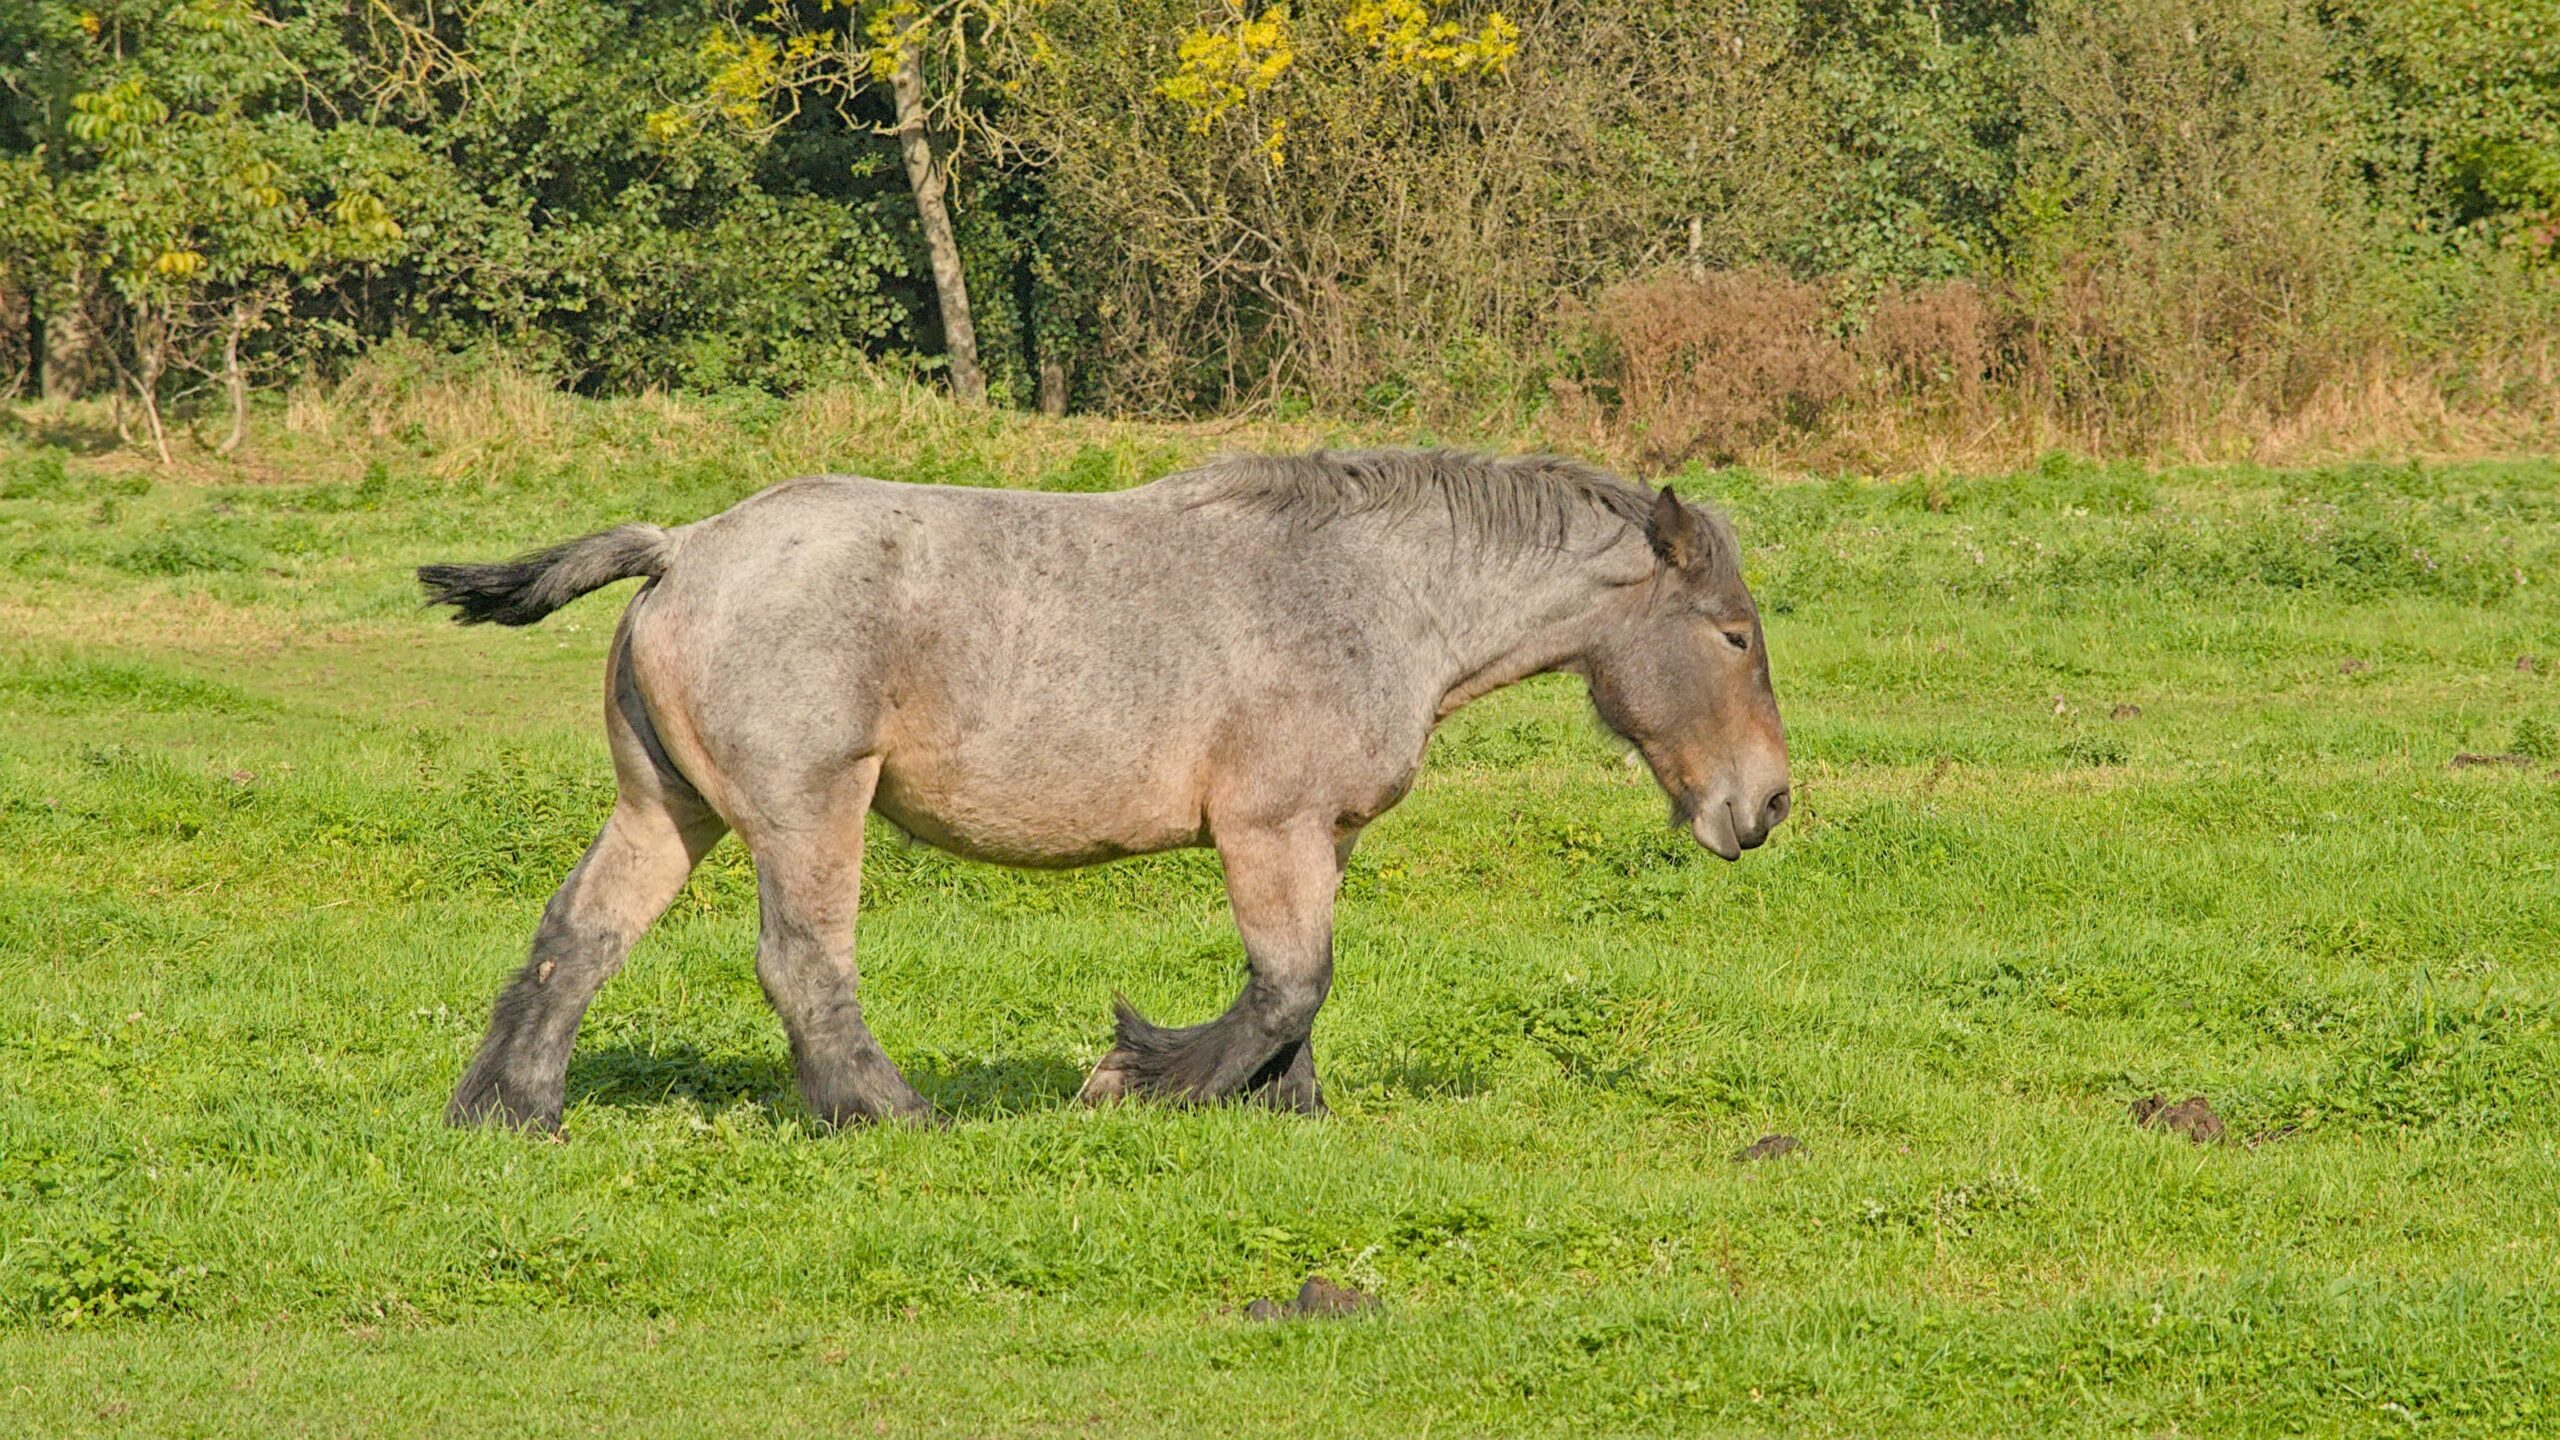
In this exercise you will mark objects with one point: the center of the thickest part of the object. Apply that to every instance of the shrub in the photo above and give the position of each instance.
(1933, 343)
(1691, 366)
(37, 475)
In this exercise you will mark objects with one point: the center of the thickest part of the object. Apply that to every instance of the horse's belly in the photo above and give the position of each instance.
(1049, 820)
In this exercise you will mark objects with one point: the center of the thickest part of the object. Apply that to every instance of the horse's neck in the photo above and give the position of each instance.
(1514, 617)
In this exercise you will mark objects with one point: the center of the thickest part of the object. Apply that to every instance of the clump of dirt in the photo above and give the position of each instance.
(2525, 664)
(2467, 760)
(2190, 1117)
(2125, 712)
(1318, 1299)
(2354, 667)
(1768, 1147)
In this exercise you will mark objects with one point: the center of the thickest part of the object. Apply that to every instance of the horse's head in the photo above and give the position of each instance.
(1682, 672)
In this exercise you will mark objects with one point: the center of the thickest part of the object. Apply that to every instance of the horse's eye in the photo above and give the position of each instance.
(1738, 639)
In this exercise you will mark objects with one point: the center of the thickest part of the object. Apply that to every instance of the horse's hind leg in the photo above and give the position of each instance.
(629, 875)
(1281, 884)
(809, 884)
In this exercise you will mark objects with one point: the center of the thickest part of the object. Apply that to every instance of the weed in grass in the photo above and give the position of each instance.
(75, 684)
(105, 1273)
(177, 552)
(41, 474)
(2535, 739)
(2094, 750)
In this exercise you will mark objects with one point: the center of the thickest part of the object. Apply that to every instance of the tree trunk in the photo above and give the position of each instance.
(68, 355)
(151, 361)
(1053, 386)
(950, 287)
(235, 381)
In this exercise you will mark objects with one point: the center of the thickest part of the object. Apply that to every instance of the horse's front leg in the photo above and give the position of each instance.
(1281, 882)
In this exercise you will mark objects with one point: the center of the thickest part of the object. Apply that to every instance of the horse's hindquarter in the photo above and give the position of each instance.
(1047, 680)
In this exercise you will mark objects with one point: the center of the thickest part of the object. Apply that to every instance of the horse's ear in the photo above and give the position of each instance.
(1675, 532)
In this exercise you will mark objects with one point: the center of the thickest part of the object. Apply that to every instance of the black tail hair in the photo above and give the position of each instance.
(528, 587)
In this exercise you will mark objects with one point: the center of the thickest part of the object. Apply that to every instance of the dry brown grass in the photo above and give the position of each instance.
(1744, 367)
(1713, 366)
(2159, 364)
(1935, 344)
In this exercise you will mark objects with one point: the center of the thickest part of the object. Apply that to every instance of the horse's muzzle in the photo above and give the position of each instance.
(1728, 830)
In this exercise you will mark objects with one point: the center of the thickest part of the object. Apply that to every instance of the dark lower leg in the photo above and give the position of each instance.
(844, 1075)
(1282, 891)
(810, 882)
(520, 1074)
(1260, 1046)
(1288, 1081)
(636, 866)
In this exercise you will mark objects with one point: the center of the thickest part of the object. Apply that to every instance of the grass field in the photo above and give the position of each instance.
(272, 837)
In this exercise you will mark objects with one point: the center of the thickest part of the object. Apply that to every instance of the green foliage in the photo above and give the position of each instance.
(315, 181)
(106, 1273)
(41, 474)
(1915, 108)
(180, 552)
(2462, 101)
(2160, 216)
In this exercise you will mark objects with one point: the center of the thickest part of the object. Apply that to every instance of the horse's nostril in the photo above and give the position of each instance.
(1779, 805)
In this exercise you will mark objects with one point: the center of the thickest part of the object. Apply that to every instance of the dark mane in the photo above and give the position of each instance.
(1510, 502)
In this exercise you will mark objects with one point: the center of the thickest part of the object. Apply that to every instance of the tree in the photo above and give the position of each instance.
(173, 205)
(933, 215)
(926, 54)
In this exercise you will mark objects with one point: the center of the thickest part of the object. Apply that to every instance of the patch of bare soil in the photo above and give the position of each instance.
(1318, 1299)
(2190, 1117)
(2466, 760)
(2125, 712)
(1768, 1147)
(2354, 667)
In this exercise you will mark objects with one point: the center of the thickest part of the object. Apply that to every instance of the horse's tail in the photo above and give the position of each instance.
(523, 590)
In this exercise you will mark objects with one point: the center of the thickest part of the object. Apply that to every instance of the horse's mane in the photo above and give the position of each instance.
(1524, 501)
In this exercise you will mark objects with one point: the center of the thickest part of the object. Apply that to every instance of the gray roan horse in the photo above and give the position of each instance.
(1250, 655)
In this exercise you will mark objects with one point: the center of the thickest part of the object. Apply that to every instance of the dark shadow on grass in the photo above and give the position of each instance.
(80, 437)
(965, 1089)
(983, 1089)
(628, 1075)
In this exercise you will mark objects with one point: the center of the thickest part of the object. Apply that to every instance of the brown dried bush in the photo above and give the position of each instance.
(1705, 365)
(1935, 344)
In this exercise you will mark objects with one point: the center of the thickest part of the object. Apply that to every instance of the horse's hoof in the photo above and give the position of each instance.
(924, 1115)
(854, 1112)
(863, 1119)
(486, 1106)
(1293, 1100)
(1112, 1080)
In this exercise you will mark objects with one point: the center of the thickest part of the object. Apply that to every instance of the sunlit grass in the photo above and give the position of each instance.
(273, 837)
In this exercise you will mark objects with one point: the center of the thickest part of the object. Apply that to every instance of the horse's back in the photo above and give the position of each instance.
(1045, 678)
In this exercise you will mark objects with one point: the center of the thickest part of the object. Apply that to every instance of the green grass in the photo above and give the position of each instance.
(273, 837)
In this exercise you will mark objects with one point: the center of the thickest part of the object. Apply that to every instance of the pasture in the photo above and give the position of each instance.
(2114, 781)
